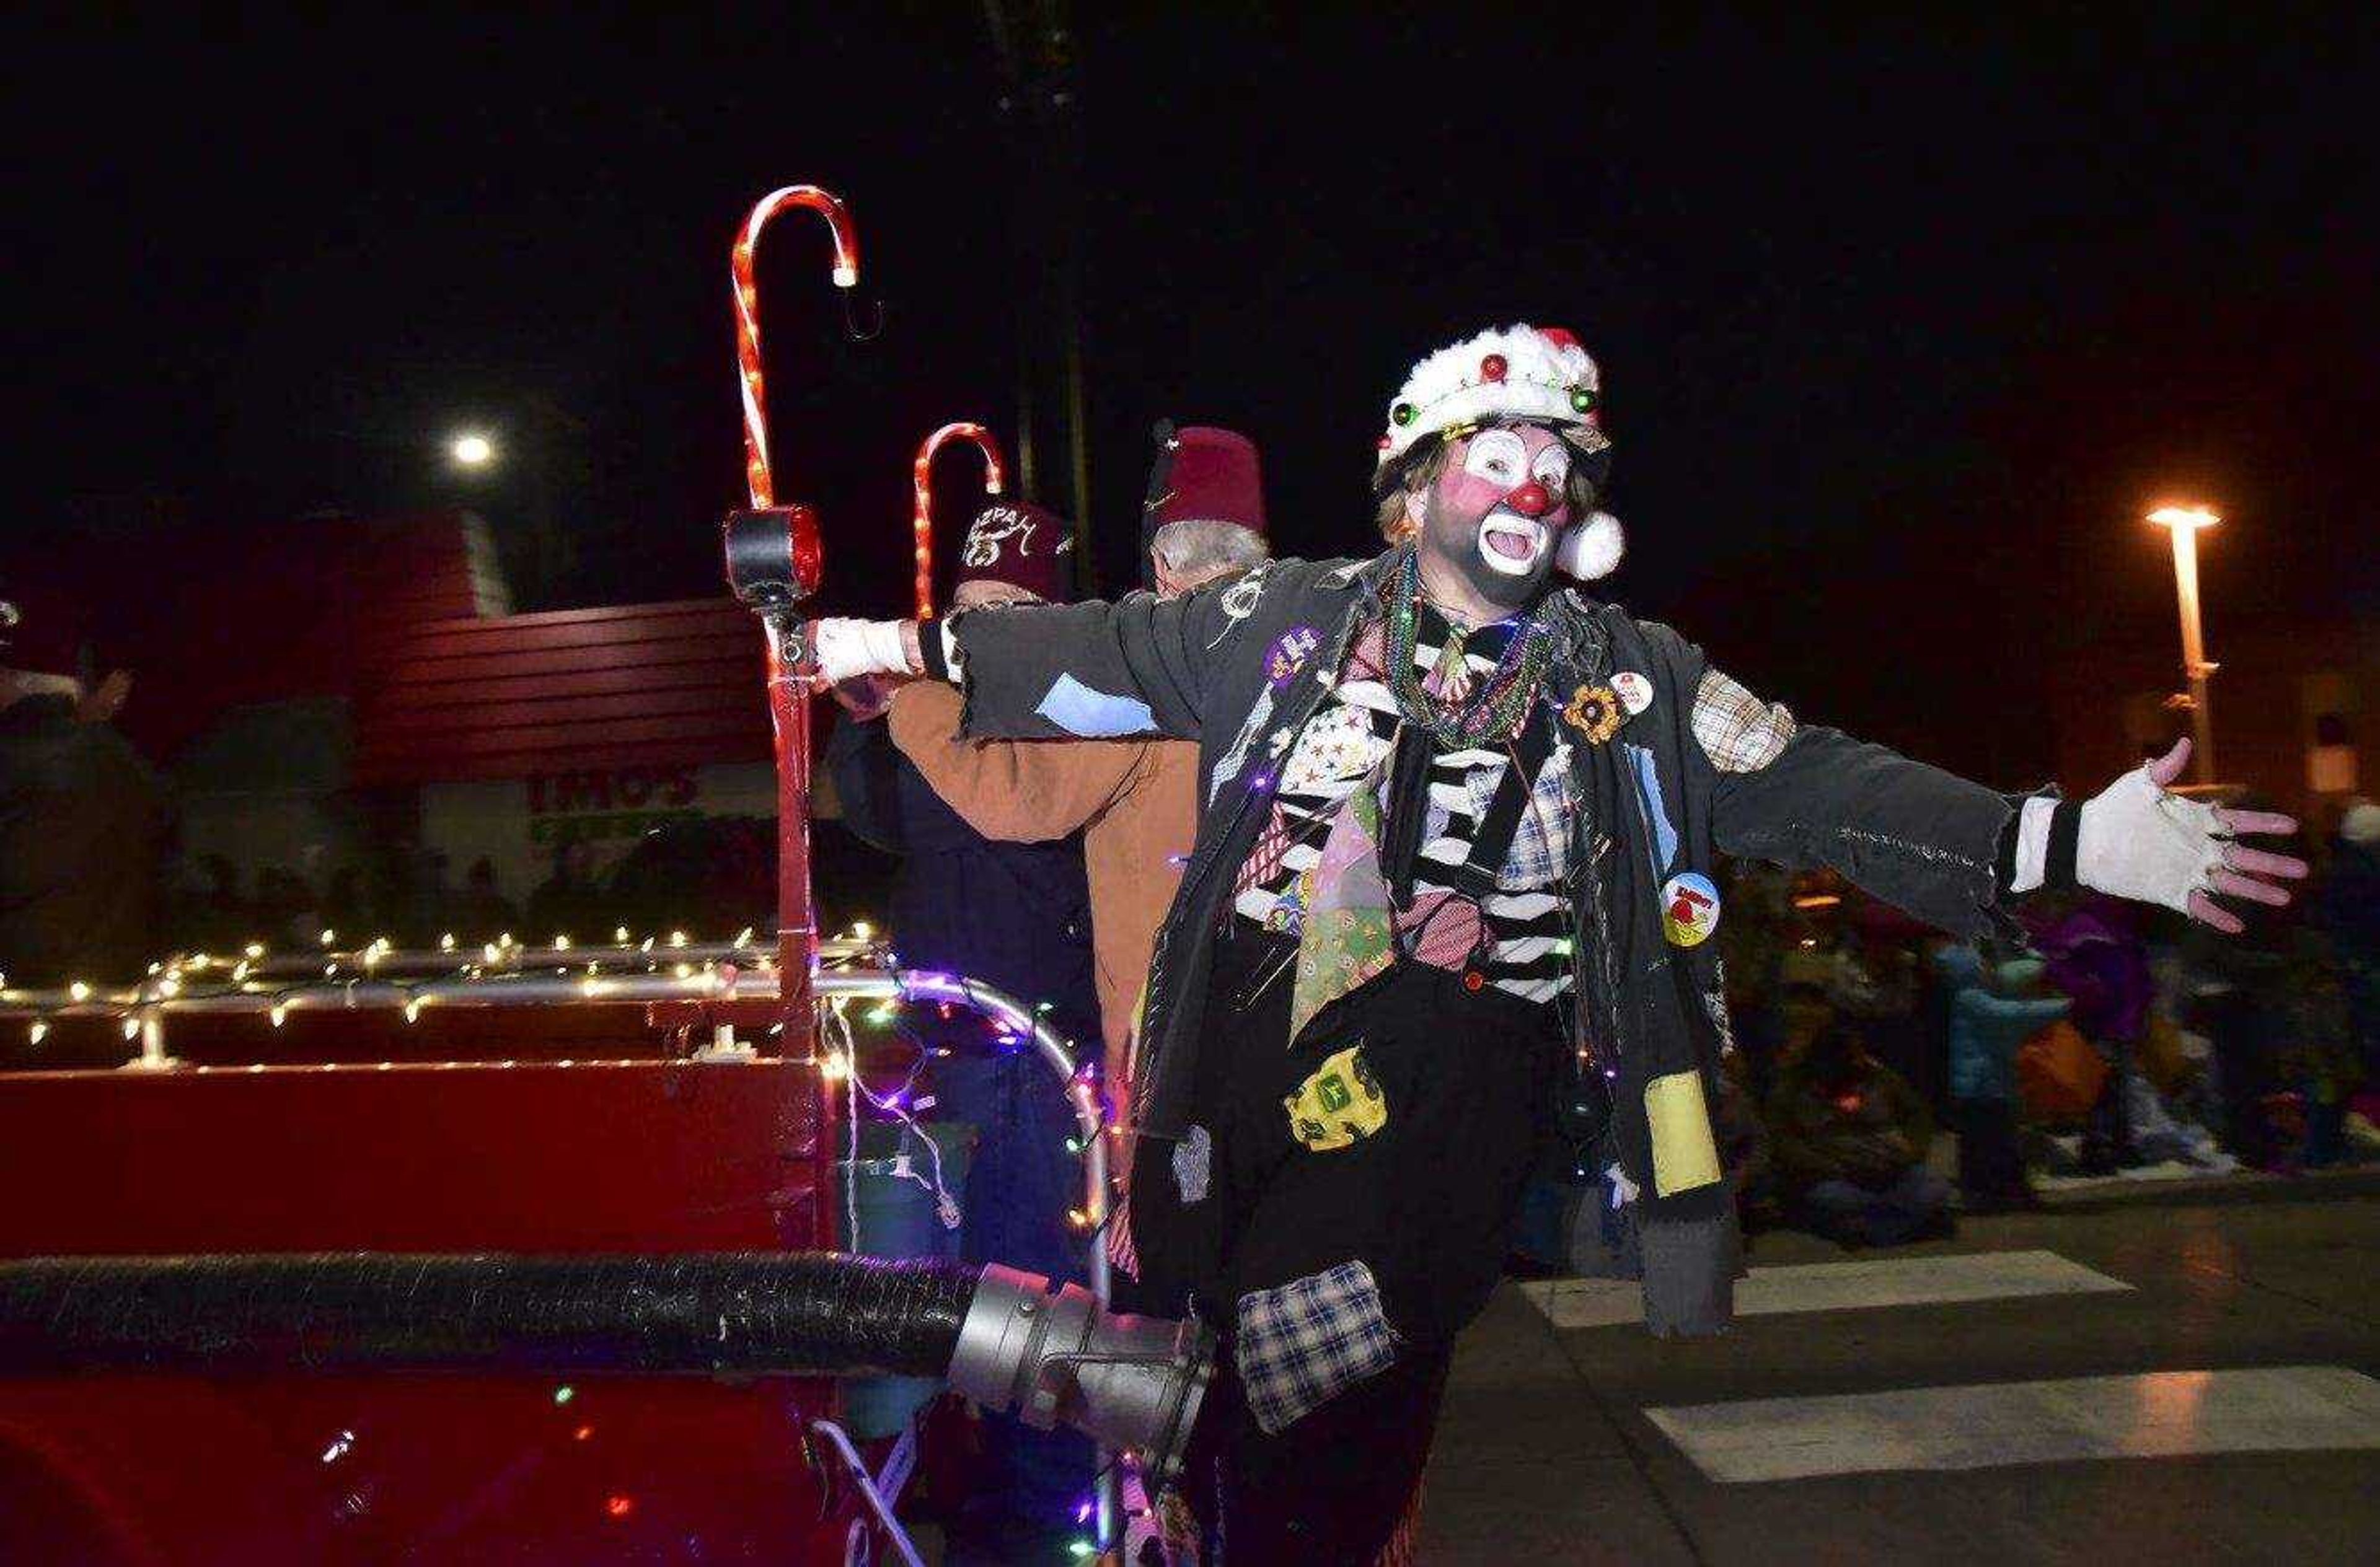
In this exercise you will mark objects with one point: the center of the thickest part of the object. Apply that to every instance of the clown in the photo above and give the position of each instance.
(1451, 896)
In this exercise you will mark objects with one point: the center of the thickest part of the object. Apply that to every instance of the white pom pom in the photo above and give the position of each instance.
(1591, 549)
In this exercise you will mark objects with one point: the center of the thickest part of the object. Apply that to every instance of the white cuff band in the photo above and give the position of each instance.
(2032, 844)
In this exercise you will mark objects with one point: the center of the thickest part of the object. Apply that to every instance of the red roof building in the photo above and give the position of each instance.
(519, 740)
(324, 692)
(210, 618)
(657, 686)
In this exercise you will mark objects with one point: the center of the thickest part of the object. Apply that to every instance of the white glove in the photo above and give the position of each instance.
(842, 648)
(2136, 840)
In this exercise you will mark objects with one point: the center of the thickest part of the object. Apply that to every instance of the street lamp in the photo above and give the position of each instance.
(471, 451)
(2185, 522)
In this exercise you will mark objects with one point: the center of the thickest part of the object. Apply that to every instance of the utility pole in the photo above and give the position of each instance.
(1034, 44)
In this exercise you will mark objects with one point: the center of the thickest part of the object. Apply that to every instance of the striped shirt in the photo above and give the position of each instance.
(1526, 919)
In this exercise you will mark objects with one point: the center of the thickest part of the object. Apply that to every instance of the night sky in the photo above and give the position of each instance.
(1901, 323)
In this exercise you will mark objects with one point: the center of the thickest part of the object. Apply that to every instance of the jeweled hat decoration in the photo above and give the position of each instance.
(1522, 372)
(1537, 374)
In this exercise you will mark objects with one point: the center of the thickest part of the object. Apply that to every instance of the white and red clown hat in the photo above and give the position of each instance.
(1538, 374)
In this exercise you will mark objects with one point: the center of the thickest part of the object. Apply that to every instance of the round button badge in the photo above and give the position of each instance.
(1689, 909)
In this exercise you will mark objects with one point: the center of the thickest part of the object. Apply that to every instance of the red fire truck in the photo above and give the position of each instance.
(521, 1254)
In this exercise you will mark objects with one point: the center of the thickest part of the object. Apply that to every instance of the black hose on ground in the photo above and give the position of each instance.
(755, 1312)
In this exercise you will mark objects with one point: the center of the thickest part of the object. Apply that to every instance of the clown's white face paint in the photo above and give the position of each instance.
(1496, 514)
(1511, 541)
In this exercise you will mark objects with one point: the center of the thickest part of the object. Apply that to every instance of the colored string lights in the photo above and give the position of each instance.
(382, 976)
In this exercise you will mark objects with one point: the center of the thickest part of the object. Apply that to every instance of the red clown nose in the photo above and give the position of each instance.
(1530, 500)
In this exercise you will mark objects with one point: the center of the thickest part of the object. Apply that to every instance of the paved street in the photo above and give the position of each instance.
(2155, 1377)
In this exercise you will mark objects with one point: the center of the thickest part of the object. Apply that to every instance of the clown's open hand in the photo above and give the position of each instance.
(2137, 840)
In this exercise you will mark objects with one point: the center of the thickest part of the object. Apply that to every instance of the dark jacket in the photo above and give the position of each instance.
(1985, 1028)
(1864, 1125)
(1221, 666)
(82, 823)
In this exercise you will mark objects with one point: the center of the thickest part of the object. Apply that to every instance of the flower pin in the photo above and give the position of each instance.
(1595, 712)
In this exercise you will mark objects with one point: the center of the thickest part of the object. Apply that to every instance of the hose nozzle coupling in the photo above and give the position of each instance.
(1132, 1382)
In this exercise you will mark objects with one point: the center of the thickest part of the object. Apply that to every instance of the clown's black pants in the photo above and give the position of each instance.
(1341, 1212)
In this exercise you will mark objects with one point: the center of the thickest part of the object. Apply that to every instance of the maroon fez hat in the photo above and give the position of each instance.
(1207, 474)
(1024, 545)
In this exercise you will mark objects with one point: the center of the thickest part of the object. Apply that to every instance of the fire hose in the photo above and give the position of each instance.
(1001, 1337)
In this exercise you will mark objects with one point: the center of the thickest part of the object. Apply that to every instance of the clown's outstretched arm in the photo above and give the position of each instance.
(2136, 839)
(1950, 852)
(1096, 670)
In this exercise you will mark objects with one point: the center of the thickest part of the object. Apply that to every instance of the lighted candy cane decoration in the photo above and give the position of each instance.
(775, 560)
(747, 314)
(922, 476)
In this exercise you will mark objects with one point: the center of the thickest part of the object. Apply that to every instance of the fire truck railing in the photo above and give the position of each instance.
(694, 974)
(709, 974)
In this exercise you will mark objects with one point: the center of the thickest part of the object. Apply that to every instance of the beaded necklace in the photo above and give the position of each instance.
(1496, 705)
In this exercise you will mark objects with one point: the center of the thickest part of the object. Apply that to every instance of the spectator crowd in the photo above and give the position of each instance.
(2097, 1041)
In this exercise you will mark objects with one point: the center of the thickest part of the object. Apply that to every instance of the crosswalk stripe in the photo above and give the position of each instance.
(2160, 1414)
(1841, 1287)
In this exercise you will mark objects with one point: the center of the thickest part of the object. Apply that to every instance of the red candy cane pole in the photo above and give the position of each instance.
(789, 706)
(921, 476)
(747, 315)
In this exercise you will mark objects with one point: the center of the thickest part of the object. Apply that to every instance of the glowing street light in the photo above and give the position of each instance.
(472, 451)
(2185, 522)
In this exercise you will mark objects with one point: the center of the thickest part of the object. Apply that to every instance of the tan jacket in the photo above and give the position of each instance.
(1134, 801)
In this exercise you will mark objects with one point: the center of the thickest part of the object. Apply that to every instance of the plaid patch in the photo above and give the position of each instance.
(1738, 731)
(1540, 851)
(1302, 1345)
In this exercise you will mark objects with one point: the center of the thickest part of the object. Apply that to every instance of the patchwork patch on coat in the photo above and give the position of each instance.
(1237, 757)
(1305, 1342)
(1338, 1105)
(1094, 714)
(1194, 1164)
(1738, 731)
(1337, 745)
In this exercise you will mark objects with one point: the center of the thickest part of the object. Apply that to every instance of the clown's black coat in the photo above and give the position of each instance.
(1241, 663)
